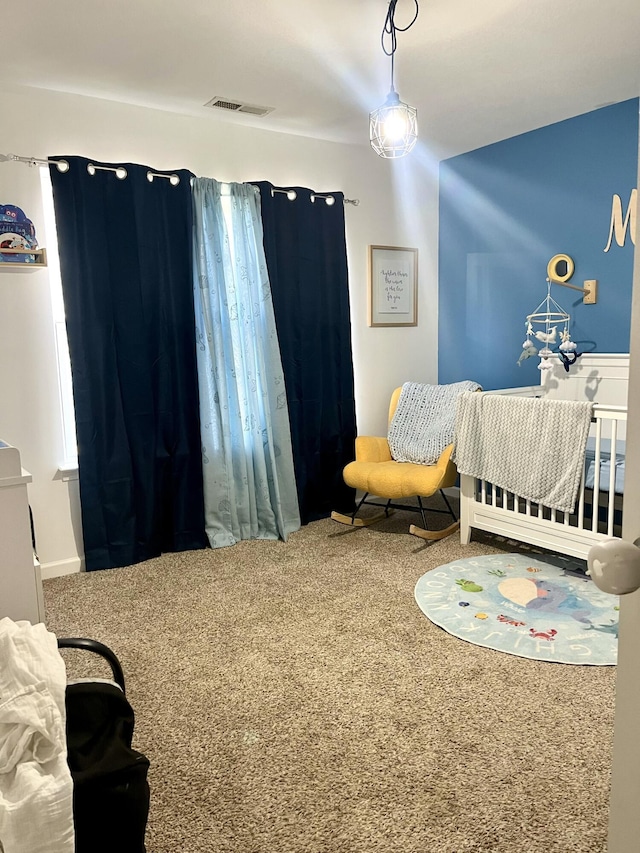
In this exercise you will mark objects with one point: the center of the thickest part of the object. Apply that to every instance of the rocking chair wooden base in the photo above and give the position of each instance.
(388, 508)
(433, 535)
(359, 522)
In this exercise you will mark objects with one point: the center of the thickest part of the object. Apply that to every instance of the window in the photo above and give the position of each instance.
(69, 460)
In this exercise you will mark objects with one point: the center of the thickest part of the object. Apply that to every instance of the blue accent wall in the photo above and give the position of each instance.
(505, 211)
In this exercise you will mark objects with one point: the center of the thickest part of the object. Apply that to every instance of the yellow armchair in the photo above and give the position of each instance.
(375, 472)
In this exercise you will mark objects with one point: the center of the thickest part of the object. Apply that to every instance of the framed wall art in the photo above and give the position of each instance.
(393, 286)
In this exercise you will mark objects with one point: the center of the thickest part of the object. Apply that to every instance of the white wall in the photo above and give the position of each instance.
(398, 206)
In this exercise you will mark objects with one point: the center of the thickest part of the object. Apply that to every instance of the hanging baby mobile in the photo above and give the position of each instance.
(549, 323)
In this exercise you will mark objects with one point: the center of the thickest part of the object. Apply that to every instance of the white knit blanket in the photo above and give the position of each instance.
(530, 446)
(423, 423)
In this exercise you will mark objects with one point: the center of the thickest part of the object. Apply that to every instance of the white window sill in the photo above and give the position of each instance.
(67, 471)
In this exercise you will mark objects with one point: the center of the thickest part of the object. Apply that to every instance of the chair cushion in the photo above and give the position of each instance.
(398, 479)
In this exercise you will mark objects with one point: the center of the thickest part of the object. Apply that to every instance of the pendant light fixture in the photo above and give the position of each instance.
(393, 127)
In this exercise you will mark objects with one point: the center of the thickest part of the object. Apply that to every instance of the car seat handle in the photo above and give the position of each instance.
(99, 649)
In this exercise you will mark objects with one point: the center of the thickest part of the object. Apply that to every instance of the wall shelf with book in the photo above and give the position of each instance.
(22, 266)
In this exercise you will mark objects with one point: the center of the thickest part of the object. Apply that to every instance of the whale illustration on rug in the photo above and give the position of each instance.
(545, 595)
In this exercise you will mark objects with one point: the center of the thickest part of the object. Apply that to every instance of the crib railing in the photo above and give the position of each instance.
(597, 513)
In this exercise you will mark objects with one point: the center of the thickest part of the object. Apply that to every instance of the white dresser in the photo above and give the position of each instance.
(20, 578)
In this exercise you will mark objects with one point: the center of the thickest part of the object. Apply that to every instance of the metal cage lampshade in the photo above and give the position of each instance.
(393, 127)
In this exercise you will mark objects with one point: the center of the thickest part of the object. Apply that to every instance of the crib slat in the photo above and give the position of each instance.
(596, 478)
(581, 502)
(612, 477)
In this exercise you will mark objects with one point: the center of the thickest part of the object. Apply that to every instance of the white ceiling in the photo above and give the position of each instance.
(477, 70)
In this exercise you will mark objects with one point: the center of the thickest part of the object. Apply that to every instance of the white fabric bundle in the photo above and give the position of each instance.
(532, 447)
(36, 789)
(424, 421)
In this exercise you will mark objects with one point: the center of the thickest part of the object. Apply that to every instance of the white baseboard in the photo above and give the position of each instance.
(58, 568)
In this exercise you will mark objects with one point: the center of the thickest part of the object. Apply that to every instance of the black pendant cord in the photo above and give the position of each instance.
(390, 29)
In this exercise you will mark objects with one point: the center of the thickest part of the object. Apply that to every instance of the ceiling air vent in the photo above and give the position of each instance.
(235, 107)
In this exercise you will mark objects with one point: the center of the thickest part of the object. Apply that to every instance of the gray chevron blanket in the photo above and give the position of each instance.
(532, 447)
(424, 421)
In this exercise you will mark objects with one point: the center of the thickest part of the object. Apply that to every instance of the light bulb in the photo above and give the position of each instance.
(394, 126)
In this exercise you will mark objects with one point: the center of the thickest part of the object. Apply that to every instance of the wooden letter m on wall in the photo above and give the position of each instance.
(618, 226)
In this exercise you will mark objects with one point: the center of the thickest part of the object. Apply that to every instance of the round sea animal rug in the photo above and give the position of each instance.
(523, 606)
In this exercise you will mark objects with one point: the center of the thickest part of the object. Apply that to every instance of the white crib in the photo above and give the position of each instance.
(601, 379)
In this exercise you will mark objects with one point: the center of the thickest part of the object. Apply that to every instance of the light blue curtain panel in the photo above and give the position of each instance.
(249, 480)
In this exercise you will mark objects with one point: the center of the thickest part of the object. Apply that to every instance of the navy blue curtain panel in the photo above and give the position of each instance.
(306, 254)
(125, 257)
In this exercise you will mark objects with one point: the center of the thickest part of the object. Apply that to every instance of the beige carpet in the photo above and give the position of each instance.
(292, 698)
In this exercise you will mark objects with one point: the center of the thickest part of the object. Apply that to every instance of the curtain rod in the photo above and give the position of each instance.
(121, 172)
(63, 166)
(34, 161)
(292, 195)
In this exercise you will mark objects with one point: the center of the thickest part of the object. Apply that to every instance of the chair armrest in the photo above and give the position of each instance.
(371, 448)
(445, 458)
(447, 468)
